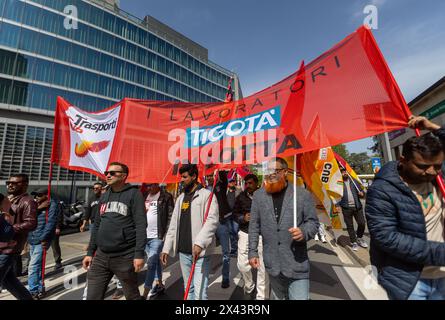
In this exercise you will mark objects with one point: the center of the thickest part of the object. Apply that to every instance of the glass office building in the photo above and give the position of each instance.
(93, 61)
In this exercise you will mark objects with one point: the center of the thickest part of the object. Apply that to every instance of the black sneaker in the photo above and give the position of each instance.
(119, 293)
(225, 284)
(57, 266)
(41, 295)
(35, 295)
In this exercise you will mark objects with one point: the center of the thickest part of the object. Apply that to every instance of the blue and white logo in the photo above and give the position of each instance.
(198, 137)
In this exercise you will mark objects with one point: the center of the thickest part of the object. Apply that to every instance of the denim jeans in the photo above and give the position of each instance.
(200, 281)
(9, 281)
(223, 234)
(233, 230)
(429, 289)
(284, 288)
(154, 268)
(35, 269)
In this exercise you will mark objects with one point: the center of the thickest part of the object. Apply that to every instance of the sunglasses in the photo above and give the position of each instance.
(13, 182)
(112, 173)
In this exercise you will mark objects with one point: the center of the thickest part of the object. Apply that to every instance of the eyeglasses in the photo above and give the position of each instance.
(13, 182)
(425, 167)
(112, 173)
(273, 172)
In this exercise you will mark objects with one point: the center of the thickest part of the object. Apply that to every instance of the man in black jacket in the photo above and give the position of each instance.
(159, 206)
(241, 214)
(119, 237)
(405, 213)
(225, 216)
(351, 208)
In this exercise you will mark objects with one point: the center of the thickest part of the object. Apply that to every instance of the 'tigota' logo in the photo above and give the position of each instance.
(82, 149)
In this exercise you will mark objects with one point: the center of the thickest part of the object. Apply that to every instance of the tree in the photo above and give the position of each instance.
(341, 151)
(360, 162)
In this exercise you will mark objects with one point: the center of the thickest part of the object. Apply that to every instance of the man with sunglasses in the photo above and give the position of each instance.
(23, 219)
(92, 209)
(119, 237)
(405, 214)
(284, 246)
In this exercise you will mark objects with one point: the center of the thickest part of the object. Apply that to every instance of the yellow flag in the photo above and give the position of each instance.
(322, 176)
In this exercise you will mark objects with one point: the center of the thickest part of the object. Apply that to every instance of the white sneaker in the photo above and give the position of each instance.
(323, 238)
(355, 246)
(316, 237)
(362, 243)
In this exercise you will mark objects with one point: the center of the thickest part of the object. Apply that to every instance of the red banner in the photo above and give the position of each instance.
(346, 94)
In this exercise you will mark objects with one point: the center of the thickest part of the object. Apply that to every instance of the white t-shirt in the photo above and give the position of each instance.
(151, 207)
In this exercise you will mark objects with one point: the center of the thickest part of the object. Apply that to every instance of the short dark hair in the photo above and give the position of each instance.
(123, 166)
(22, 176)
(251, 176)
(282, 161)
(428, 146)
(192, 169)
(98, 183)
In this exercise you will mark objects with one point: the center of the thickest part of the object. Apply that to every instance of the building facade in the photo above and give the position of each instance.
(93, 54)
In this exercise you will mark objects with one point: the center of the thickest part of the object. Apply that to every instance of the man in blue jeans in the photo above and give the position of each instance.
(225, 220)
(40, 239)
(405, 213)
(284, 246)
(190, 235)
(159, 206)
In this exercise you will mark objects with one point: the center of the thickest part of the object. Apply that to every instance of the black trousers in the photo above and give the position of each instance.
(8, 279)
(103, 268)
(348, 215)
(55, 245)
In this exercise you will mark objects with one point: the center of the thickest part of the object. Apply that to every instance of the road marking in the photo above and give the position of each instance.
(338, 251)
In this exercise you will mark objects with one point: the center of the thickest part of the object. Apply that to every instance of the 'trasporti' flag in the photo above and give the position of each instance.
(322, 177)
(342, 163)
(346, 94)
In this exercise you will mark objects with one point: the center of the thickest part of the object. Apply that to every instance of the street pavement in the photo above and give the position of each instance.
(336, 274)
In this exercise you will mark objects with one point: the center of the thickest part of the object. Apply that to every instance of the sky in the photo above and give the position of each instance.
(263, 41)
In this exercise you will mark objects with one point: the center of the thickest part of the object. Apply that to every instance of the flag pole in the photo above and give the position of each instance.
(46, 219)
(195, 259)
(295, 191)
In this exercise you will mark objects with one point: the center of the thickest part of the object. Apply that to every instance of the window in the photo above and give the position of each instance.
(61, 75)
(5, 84)
(108, 22)
(7, 59)
(13, 10)
(94, 37)
(119, 47)
(9, 35)
(105, 87)
(118, 68)
(31, 16)
(19, 95)
(92, 59)
(162, 45)
(90, 82)
(131, 52)
(130, 72)
(24, 66)
(42, 71)
(63, 50)
(29, 41)
(46, 45)
(121, 27)
(107, 42)
(96, 16)
(133, 32)
(76, 77)
(106, 63)
(78, 55)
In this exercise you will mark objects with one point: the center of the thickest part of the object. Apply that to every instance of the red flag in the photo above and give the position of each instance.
(229, 94)
(348, 93)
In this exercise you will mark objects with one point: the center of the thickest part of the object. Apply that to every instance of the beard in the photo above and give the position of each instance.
(189, 187)
(275, 186)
